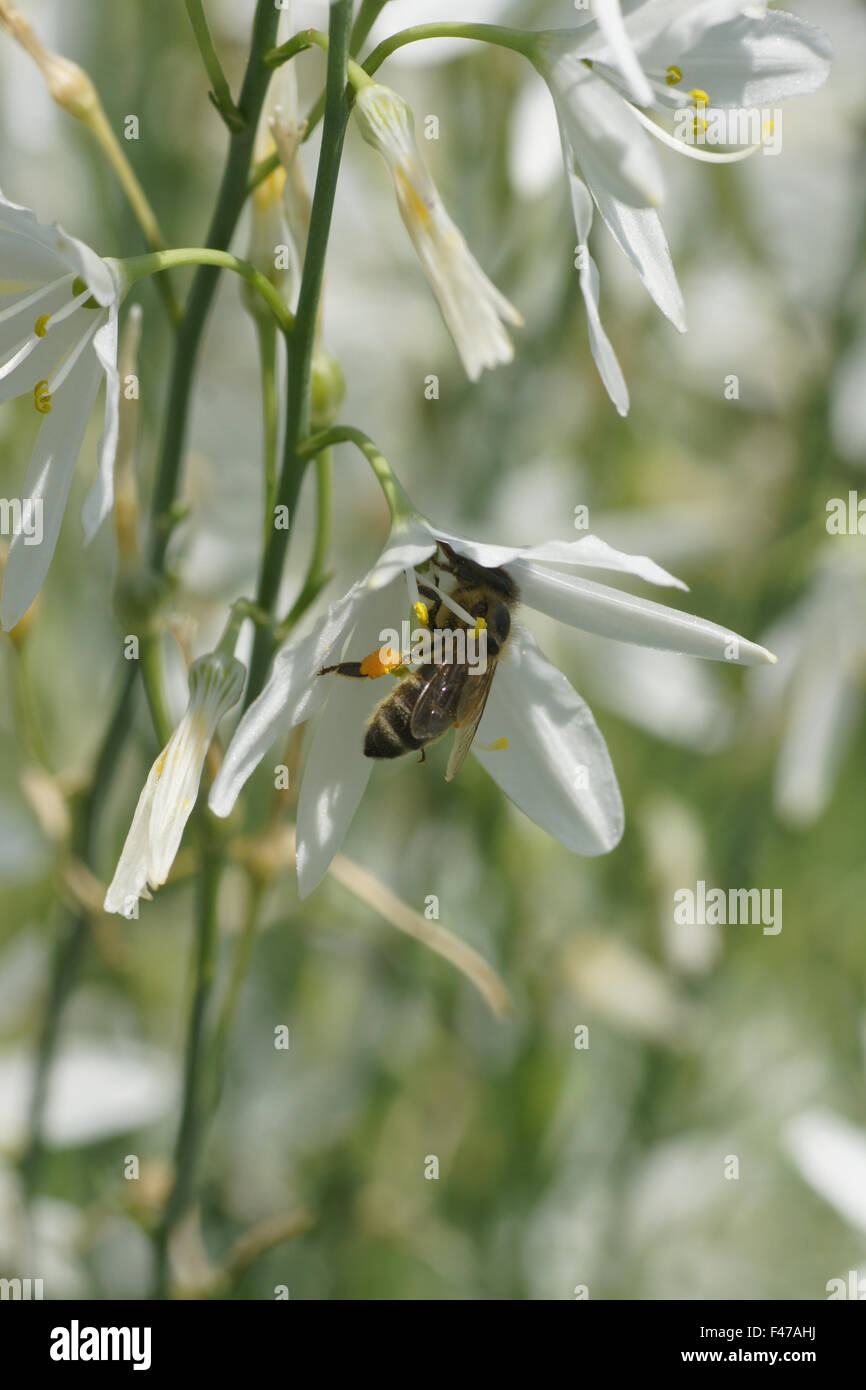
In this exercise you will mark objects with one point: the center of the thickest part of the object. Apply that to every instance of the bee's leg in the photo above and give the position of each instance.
(345, 668)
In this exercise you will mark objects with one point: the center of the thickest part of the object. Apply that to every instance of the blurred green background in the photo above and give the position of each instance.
(558, 1167)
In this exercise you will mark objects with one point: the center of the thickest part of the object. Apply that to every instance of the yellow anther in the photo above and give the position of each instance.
(499, 745)
(673, 75)
(40, 327)
(699, 96)
(769, 127)
(700, 123)
(421, 613)
(380, 662)
(42, 398)
(480, 626)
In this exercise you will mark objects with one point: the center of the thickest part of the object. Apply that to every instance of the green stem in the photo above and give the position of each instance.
(232, 195)
(301, 342)
(518, 40)
(237, 975)
(154, 689)
(70, 946)
(193, 1104)
(136, 267)
(317, 575)
(221, 95)
(308, 38)
(399, 504)
(267, 339)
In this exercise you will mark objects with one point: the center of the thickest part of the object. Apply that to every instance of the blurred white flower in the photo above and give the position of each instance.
(98, 1088)
(472, 307)
(58, 338)
(830, 1153)
(822, 652)
(550, 758)
(716, 53)
(169, 794)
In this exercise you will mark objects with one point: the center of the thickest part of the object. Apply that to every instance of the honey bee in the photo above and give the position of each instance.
(436, 697)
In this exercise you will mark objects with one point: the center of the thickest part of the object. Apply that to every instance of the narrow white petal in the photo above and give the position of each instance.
(292, 693)
(336, 772)
(101, 496)
(640, 234)
(831, 1154)
(556, 767)
(130, 877)
(824, 703)
(603, 354)
(335, 778)
(608, 16)
(409, 545)
(42, 359)
(611, 613)
(589, 551)
(614, 154)
(49, 477)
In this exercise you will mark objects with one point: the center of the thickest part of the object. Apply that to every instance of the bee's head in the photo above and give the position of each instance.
(467, 572)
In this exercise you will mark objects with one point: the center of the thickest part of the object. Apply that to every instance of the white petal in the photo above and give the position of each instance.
(824, 704)
(50, 350)
(292, 693)
(612, 613)
(556, 767)
(594, 553)
(101, 496)
(589, 551)
(409, 545)
(745, 61)
(50, 477)
(640, 235)
(831, 1154)
(613, 151)
(335, 778)
(603, 354)
(336, 772)
(175, 794)
(608, 16)
(130, 877)
(53, 248)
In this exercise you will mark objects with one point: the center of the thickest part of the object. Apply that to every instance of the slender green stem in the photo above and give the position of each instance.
(398, 502)
(232, 195)
(221, 95)
(194, 1105)
(518, 40)
(71, 943)
(267, 340)
(136, 267)
(237, 974)
(308, 38)
(317, 575)
(301, 342)
(154, 687)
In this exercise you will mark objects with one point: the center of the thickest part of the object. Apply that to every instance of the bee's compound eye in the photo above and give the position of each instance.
(499, 623)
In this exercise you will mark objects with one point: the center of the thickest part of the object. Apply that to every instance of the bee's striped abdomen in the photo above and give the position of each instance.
(388, 732)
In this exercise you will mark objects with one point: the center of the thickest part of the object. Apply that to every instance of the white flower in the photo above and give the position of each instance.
(722, 54)
(822, 645)
(472, 307)
(555, 766)
(58, 338)
(169, 794)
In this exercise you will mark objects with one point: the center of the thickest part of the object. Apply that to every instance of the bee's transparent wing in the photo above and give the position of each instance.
(437, 706)
(469, 711)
